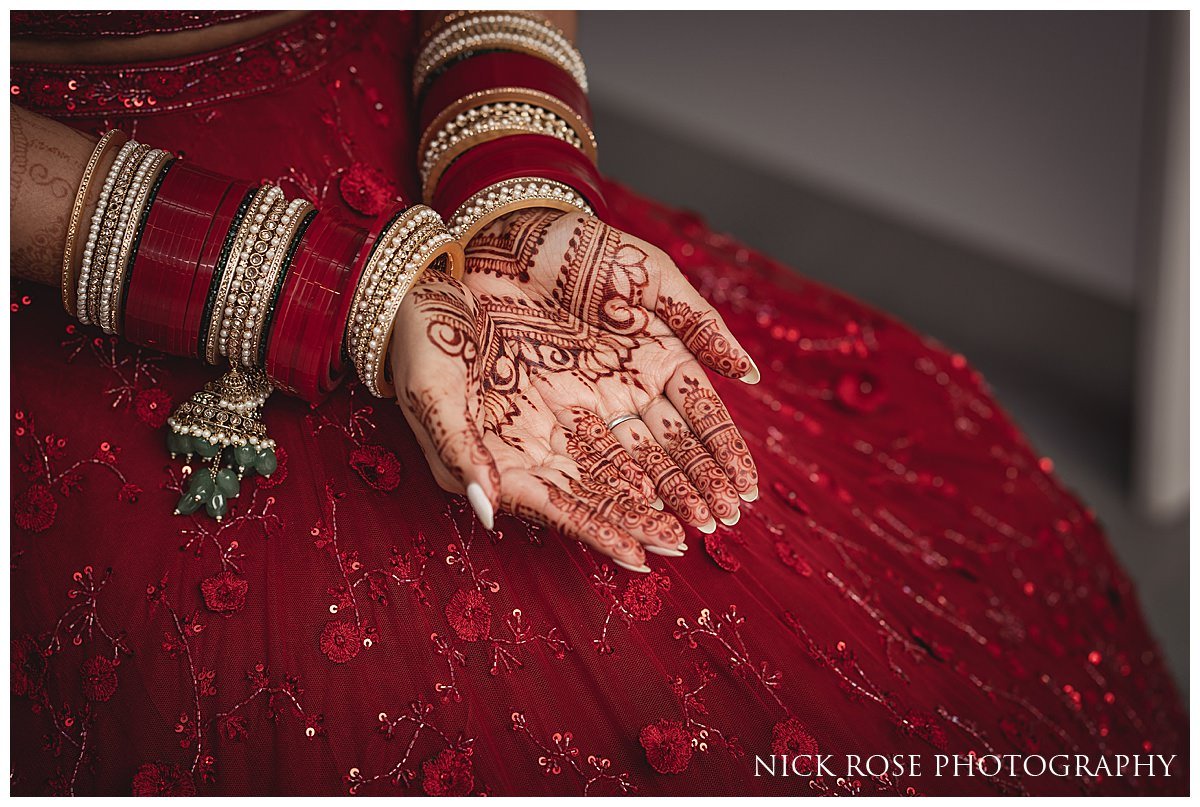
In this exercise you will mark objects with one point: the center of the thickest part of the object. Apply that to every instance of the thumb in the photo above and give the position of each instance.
(699, 326)
(434, 357)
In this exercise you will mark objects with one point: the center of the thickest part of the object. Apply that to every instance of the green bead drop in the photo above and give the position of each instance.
(243, 456)
(189, 504)
(215, 506)
(178, 443)
(204, 448)
(201, 483)
(227, 483)
(267, 462)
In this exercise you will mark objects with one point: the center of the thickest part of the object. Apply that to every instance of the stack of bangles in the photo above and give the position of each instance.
(197, 264)
(504, 119)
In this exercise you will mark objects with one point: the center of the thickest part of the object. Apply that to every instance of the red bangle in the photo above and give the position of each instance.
(487, 71)
(282, 337)
(220, 233)
(168, 253)
(345, 245)
(513, 157)
(304, 352)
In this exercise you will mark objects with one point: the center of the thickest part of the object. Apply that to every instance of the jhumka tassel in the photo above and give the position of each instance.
(222, 425)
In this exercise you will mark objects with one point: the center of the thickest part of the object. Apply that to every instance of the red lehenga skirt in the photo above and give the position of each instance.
(912, 580)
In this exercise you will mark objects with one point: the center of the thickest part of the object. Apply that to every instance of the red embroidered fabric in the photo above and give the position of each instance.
(70, 24)
(912, 580)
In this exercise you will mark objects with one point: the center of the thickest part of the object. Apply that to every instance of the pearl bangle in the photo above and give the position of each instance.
(112, 284)
(262, 294)
(411, 244)
(255, 238)
(97, 243)
(513, 194)
(112, 138)
(490, 122)
(478, 31)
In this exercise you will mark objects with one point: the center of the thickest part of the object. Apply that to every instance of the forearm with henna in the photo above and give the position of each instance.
(46, 164)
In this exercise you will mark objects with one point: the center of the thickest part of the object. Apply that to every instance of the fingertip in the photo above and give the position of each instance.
(750, 495)
(708, 527)
(481, 505)
(643, 569)
(753, 376)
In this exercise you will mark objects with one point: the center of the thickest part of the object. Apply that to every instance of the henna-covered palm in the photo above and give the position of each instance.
(476, 423)
(586, 323)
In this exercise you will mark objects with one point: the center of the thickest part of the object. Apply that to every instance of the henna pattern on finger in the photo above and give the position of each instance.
(598, 452)
(508, 246)
(708, 477)
(670, 480)
(711, 422)
(703, 336)
(647, 523)
(582, 513)
(450, 443)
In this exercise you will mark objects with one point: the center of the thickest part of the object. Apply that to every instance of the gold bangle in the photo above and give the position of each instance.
(219, 319)
(513, 194)
(113, 289)
(406, 225)
(296, 213)
(96, 247)
(414, 242)
(492, 30)
(110, 230)
(244, 294)
(485, 123)
(114, 138)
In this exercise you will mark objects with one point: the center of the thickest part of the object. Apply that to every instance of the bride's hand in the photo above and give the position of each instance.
(480, 422)
(588, 325)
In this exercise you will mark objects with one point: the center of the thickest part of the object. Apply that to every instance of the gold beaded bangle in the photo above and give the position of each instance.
(222, 310)
(110, 230)
(258, 254)
(513, 194)
(114, 138)
(489, 30)
(408, 226)
(114, 286)
(297, 210)
(512, 95)
(96, 248)
(414, 242)
(490, 122)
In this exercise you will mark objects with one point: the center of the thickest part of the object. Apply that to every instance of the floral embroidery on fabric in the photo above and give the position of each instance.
(562, 754)
(35, 508)
(447, 773)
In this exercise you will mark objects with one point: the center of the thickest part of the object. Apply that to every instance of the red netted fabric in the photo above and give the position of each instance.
(912, 580)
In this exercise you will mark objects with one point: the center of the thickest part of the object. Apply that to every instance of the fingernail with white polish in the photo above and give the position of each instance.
(643, 569)
(754, 376)
(729, 522)
(681, 547)
(481, 505)
(708, 527)
(664, 551)
(657, 504)
(750, 495)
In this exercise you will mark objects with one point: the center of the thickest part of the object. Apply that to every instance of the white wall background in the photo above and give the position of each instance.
(1016, 132)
